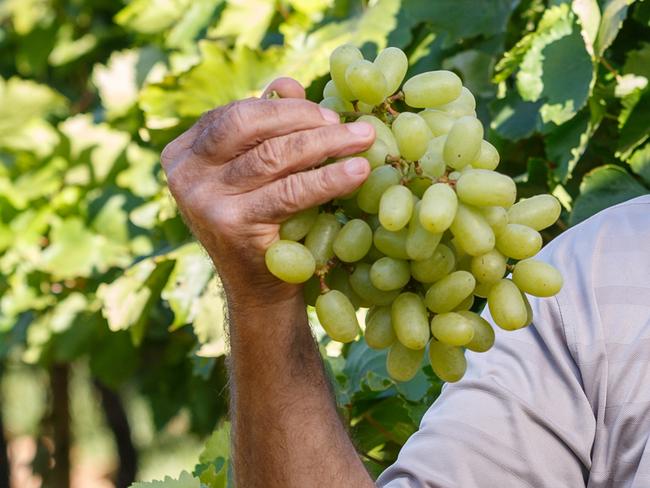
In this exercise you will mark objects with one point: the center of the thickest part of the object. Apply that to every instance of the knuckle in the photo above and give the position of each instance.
(292, 191)
(270, 154)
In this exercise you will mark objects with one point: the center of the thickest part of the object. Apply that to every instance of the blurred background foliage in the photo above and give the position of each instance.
(112, 343)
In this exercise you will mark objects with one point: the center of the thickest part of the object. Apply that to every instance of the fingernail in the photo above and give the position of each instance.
(356, 166)
(360, 128)
(329, 115)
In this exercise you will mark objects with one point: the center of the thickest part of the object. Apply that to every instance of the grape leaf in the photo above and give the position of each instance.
(636, 128)
(151, 16)
(603, 187)
(514, 118)
(185, 480)
(613, 15)
(196, 18)
(245, 20)
(639, 161)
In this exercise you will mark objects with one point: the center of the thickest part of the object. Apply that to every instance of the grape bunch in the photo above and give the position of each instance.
(433, 227)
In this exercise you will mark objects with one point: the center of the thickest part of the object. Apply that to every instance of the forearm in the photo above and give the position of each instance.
(286, 430)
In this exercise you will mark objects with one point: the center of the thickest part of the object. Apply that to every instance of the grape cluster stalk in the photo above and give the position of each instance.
(432, 228)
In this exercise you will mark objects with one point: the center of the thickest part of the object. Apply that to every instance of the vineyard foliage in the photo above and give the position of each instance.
(95, 260)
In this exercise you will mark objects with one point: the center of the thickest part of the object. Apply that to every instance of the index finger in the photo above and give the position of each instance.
(243, 125)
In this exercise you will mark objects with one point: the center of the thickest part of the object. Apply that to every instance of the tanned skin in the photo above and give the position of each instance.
(236, 174)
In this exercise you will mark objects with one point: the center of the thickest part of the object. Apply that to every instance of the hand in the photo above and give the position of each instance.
(245, 167)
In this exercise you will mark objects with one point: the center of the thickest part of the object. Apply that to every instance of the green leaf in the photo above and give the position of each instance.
(636, 128)
(640, 162)
(213, 469)
(72, 251)
(140, 176)
(476, 69)
(637, 61)
(613, 15)
(462, 18)
(603, 187)
(245, 20)
(513, 118)
(588, 12)
(185, 480)
(557, 68)
(197, 17)
(210, 320)
(151, 16)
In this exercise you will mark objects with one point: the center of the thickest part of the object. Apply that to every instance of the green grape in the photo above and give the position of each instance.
(349, 206)
(454, 175)
(311, 290)
(320, 238)
(373, 188)
(360, 281)
(420, 243)
(392, 244)
(434, 268)
(403, 363)
(529, 310)
(431, 162)
(446, 294)
(395, 207)
(337, 104)
(383, 132)
(439, 122)
(412, 135)
(463, 142)
(353, 241)
(410, 321)
(538, 212)
(331, 90)
(465, 304)
(432, 88)
(489, 267)
(297, 226)
(389, 274)
(483, 339)
(339, 279)
(393, 63)
(465, 104)
(452, 328)
(290, 261)
(379, 331)
(497, 217)
(448, 362)
(537, 278)
(507, 305)
(488, 157)
(472, 231)
(376, 154)
(438, 208)
(485, 188)
(519, 241)
(482, 289)
(365, 108)
(337, 316)
(342, 57)
(366, 82)
(418, 185)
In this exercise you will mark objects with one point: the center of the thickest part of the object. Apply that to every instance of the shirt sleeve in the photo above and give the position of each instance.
(519, 417)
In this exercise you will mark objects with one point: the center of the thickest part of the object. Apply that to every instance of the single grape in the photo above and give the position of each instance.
(365, 108)
(393, 63)
(450, 291)
(337, 316)
(379, 331)
(382, 132)
(290, 261)
(538, 212)
(392, 244)
(330, 90)
(420, 243)
(507, 305)
(488, 157)
(529, 310)
(519, 241)
(297, 226)
(373, 188)
(432, 88)
(418, 185)
(439, 122)
(432, 162)
(489, 267)
(463, 142)
(465, 104)
(438, 208)
(465, 304)
(342, 57)
(452, 328)
(360, 281)
(448, 362)
(483, 338)
(353, 241)
(482, 289)
(497, 217)
(320, 238)
(337, 104)
(410, 321)
(537, 278)
(389, 274)
(472, 231)
(485, 188)
(412, 135)
(376, 154)
(439, 265)
(403, 363)
(395, 207)
(366, 82)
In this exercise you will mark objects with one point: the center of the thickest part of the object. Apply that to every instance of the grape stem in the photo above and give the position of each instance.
(322, 274)
(351, 115)
(397, 96)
